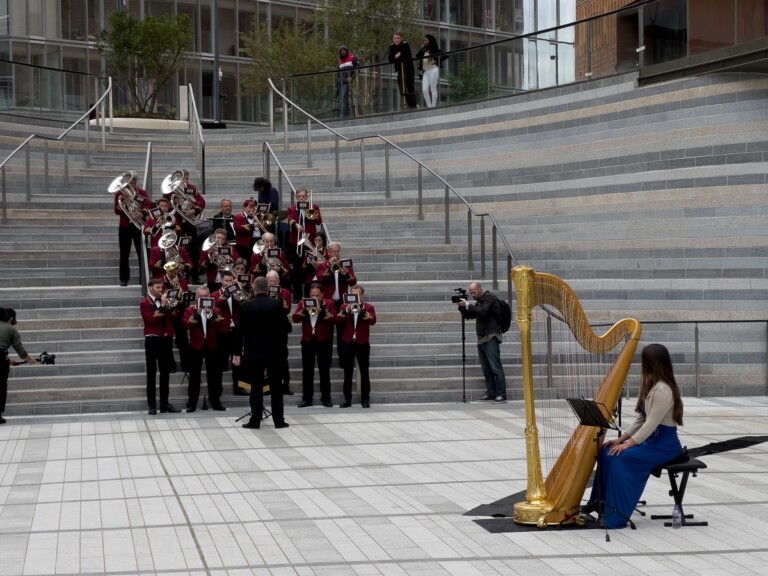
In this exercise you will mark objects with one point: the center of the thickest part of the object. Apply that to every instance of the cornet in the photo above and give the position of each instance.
(354, 308)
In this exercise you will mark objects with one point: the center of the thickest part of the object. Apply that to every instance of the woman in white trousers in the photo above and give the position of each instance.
(429, 64)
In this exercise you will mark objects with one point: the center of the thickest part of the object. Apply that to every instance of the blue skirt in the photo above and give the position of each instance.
(624, 476)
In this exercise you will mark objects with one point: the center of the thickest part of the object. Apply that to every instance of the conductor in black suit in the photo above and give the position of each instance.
(256, 353)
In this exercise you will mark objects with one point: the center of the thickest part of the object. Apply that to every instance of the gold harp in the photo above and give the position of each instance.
(557, 498)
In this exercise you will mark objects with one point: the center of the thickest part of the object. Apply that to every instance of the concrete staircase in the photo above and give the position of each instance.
(649, 201)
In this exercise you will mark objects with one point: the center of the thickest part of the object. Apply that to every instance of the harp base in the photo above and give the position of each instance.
(541, 514)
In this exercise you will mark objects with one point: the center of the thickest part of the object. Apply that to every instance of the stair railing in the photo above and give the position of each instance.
(450, 191)
(97, 110)
(196, 131)
(144, 254)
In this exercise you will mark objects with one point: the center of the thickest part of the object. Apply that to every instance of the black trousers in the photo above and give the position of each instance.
(212, 360)
(182, 341)
(5, 370)
(127, 236)
(361, 353)
(322, 351)
(254, 373)
(158, 351)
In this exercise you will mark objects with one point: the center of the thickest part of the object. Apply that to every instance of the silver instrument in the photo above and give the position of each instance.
(127, 199)
(310, 247)
(167, 244)
(221, 261)
(173, 186)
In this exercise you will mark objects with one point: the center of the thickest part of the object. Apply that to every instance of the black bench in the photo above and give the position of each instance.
(674, 469)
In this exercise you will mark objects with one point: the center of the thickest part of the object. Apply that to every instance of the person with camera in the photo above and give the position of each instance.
(487, 312)
(9, 337)
(355, 320)
(157, 317)
(317, 316)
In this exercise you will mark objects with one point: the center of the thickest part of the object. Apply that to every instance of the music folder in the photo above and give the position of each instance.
(302, 205)
(351, 298)
(591, 413)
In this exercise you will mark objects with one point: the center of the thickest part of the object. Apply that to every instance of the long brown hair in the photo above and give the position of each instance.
(657, 367)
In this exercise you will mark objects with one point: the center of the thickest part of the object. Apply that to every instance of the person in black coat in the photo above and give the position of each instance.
(256, 353)
(400, 55)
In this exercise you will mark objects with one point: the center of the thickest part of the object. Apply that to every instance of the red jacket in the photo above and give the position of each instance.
(141, 198)
(365, 319)
(310, 226)
(244, 231)
(258, 265)
(220, 301)
(157, 261)
(193, 324)
(154, 235)
(328, 279)
(157, 322)
(324, 325)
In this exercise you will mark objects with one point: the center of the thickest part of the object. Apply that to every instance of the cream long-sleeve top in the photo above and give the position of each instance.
(659, 409)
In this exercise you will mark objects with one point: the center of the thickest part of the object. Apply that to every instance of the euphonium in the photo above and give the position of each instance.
(127, 199)
(173, 186)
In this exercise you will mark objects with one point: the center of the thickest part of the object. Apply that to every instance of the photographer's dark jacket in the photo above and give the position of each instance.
(9, 337)
(487, 312)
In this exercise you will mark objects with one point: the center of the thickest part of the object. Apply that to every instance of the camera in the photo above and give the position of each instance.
(459, 294)
(46, 358)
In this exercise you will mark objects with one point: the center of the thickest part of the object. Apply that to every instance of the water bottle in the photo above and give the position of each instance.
(677, 520)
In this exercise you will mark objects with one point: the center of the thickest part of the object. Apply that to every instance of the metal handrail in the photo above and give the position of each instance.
(197, 135)
(496, 230)
(268, 154)
(25, 146)
(144, 275)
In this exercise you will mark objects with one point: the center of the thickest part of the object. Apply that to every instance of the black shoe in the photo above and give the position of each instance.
(282, 425)
(327, 403)
(170, 409)
(190, 410)
(123, 283)
(218, 407)
(237, 391)
(488, 398)
(304, 404)
(152, 412)
(252, 425)
(346, 404)
(500, 400)
(365, 403)
(2, 420)
(173, 367)
(287, 391)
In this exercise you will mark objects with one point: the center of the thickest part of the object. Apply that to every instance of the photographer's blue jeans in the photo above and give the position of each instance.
(490, 362)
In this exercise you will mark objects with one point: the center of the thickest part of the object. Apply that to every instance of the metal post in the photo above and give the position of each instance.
(29, 184)
(271, 111)
(386, 169)
(309, 144)
(112, 111)
(87, 143)
(495, 260)
(470, 263)
(338, 179)
(45, 166)
(362, 165)
(766, 331)
(267, 164)
(66, 161)
(5, 201)
(280, 179)
(421, 193)
(696, 357)
(103, 121)
(509, 278)
(447, 221)
(482, 247)
(285, 119)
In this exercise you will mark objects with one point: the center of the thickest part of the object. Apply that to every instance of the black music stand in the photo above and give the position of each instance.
(591, 413)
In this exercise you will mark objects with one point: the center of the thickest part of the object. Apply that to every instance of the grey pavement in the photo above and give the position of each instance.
(347, 492)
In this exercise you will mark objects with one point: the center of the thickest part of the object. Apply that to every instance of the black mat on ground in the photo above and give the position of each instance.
(503, 525)
(727, 445)
(500, 508)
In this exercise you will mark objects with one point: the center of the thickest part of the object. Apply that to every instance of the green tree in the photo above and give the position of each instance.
(469, 84)
(146, 53)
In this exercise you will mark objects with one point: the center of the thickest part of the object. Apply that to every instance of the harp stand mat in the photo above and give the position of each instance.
(590, 413)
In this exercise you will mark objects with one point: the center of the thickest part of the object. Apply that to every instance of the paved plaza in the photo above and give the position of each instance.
(347, 492)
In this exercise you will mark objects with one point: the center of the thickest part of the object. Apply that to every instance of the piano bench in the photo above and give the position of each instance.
(690, 467)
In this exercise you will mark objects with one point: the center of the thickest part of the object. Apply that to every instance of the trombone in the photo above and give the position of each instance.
(311, 213)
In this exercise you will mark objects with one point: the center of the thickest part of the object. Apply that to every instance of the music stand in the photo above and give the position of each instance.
(591, 413)
(265, 413)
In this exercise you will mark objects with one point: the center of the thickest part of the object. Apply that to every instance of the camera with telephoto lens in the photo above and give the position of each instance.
(46, 358)
(459, 294)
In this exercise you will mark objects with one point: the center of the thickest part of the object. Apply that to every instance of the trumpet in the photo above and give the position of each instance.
(354, 308)
(334, 265)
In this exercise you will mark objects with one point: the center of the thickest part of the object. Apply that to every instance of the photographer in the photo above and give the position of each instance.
(9, 336)
(488, 327)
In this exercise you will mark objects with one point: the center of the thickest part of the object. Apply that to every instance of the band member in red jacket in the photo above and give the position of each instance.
(229, 308)
(128, 233)
(158, 344)
(302, 221)
(263, 263)
(316, 342)
(277, 292)
(247, 230)
(208, 260)
(204, 330)
(167, 221)
(158, 258)
(355, 321)
(336, 278)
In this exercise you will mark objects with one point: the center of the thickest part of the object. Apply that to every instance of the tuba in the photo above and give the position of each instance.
(222, 262)
(173, 187)
(127, 199)
(567, 338)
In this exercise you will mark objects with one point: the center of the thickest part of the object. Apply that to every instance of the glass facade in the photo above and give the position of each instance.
(63, 34)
